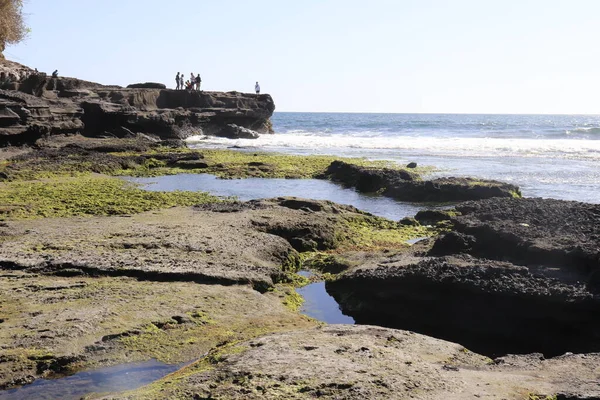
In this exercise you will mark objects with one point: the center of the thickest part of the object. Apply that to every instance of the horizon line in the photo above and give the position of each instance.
(433, 113)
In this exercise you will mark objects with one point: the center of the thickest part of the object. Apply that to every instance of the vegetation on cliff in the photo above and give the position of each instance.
(12, 26)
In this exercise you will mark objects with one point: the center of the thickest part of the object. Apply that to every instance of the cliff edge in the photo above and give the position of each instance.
(33, 105)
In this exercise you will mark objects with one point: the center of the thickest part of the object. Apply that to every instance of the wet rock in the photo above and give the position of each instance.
(411, 165)
(432, 217)
(406, 186)
(191, 164)
(232, 131)
(408, 221)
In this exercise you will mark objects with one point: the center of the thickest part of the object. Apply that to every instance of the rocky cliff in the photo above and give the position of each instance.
(33, 105)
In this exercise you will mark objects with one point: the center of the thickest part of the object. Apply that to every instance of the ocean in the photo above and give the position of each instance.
(551, 156)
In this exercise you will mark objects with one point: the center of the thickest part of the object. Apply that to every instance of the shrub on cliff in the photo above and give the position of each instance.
(12, 26)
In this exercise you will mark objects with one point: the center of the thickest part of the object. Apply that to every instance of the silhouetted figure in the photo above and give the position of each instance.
(181, 82)
(198, 82)
(257, 88)
(177, 81)
(55, 74)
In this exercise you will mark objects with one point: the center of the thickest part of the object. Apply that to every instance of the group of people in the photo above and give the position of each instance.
(191, 84)
(194, 83)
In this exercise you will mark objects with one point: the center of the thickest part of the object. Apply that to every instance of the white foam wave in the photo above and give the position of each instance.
(440, 146)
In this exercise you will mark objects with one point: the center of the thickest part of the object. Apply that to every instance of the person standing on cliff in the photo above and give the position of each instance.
(177, 81)
(181, 82)
(192, 80)
(198, 82)
(257, 88)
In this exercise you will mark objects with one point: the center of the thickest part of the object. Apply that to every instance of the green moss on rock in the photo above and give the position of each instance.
(87, 196)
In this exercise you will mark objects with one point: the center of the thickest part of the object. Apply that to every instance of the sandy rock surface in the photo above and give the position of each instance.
(365, 362)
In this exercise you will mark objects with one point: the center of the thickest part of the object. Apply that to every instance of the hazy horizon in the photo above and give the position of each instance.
(426, 57)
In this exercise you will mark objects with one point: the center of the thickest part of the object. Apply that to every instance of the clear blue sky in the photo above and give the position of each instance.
(464, 56)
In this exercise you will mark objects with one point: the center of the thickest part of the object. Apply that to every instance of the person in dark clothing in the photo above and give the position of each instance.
(257, 88)
(177, 81)
(198, 81)
(55, 74)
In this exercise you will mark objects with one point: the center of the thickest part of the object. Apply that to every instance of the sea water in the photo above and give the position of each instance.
(552, 156)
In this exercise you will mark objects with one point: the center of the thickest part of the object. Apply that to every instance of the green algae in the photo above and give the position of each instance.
(237, 164)
(87, 196)
(375, 233)
(325, 263)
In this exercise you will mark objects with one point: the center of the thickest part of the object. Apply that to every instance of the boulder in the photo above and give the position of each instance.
(232, 131)
(407, 186)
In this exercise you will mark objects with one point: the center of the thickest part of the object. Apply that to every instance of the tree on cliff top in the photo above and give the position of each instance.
(12, 26)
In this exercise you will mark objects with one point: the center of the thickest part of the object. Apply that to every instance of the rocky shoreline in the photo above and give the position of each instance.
(97, 272)
(33, 105)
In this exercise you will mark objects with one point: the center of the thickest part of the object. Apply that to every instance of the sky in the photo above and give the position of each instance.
(393, 56)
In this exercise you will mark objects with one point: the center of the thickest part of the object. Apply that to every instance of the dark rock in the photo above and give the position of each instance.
(147, 85)
(490, 307)
(191, 164)
(366, 179)
(232, 131)
(406, 186)
(452, 243)
(514, 276)
(556, 233)
(50, 106)
(411, 165)
(407, 221)
(432, 217)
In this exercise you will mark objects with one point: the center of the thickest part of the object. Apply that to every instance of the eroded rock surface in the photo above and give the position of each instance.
(52, 325)
(514, 275)
(227, 243)
(34, 105)
(364, 362)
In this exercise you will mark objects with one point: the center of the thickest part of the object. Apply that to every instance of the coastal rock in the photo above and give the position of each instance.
(68, 105)
(514, 276)
(232, 131)
(367, 362)
(240, 243)
(555, 233)
(147, 85)
(61, 324)
(406, 186)
(25, 118)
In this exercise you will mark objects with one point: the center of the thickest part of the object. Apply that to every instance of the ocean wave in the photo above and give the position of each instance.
(439, 146)
(584, 130)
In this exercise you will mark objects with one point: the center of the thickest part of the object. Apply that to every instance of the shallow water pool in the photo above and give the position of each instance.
(318, 304)
(258, 188)
(111, 379)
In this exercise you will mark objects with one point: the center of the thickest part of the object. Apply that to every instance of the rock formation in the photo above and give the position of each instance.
(405, 185)
(33, 105)
(513, 276)
(366, 362)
